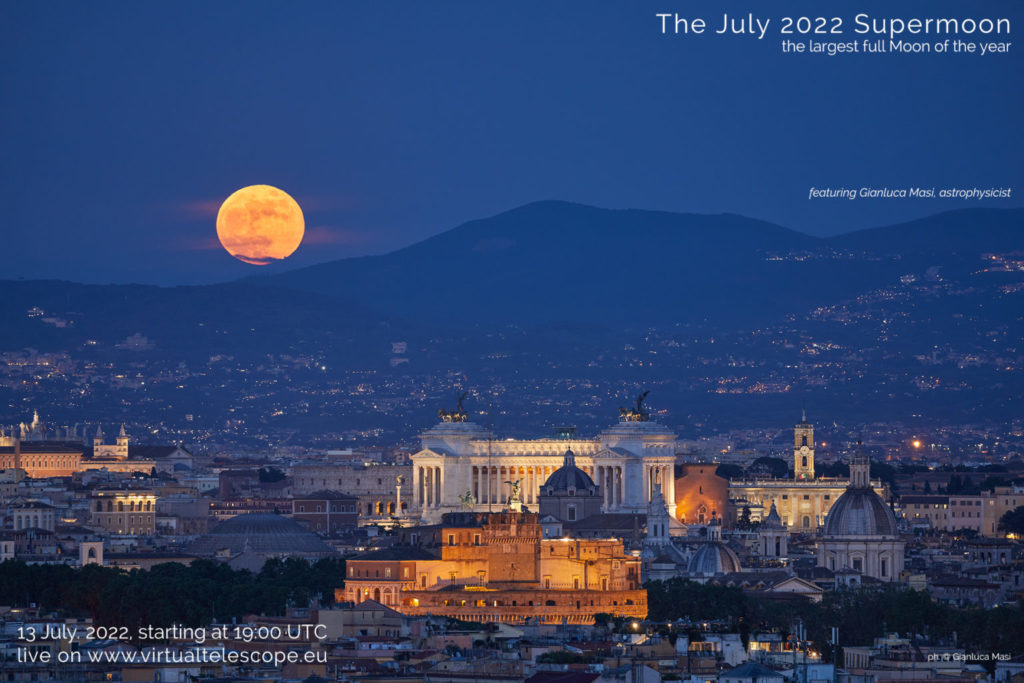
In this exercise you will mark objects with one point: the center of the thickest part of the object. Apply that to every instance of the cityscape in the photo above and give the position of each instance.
(529, 342)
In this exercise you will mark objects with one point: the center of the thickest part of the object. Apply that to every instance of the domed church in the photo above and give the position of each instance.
(713, 558)
(569, 494)
(860, 530)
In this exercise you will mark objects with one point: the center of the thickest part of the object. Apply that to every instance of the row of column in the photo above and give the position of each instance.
(610, 480)
(427, 485)
(491, 485)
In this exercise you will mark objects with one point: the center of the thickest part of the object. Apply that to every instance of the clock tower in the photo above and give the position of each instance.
(803, 451)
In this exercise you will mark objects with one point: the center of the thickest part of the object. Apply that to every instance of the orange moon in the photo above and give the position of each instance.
(260, 224)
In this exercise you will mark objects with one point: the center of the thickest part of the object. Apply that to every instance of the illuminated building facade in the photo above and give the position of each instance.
(497, 568)
(860, 530)
(701, 494)
(461, 465)
(803, 502)
(124, 512)
(41, 459)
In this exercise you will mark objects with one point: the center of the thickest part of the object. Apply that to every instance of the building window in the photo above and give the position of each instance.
(476, 539)
(570, 513)
(451, 539)
(387, 572)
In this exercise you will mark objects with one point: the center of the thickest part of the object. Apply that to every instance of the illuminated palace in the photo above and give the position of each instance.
(496, 567)
(461, 466)
(30, 448)
(802, 502)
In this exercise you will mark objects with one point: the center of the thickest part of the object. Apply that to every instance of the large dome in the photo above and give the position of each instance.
(262, 533)
(568, 477)
(860, 512)
(712, 559)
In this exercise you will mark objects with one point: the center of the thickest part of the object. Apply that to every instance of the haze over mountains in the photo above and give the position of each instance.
(556, 312)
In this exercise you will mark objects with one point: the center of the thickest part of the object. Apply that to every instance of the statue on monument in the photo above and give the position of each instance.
(467, 500)
(515, 501)
(456, 415)
(635, 413)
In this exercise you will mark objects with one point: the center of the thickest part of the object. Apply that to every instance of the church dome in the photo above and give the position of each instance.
(860, 512)
(569, 477)
(262, 533)
(712, 559)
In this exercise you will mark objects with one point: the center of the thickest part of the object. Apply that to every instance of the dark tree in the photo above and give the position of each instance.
(1013, 521)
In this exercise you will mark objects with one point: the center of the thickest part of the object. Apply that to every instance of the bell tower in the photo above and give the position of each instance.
(803, 449)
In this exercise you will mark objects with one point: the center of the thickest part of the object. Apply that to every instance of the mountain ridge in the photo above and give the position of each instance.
(553, 260)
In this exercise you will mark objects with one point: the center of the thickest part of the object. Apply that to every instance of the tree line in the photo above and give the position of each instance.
(170, 593)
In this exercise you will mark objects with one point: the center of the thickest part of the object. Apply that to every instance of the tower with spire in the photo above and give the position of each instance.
(803, 449)
(773, 536)
(658, 519)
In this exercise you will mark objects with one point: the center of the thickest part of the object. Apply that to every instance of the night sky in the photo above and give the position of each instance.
(123, 125)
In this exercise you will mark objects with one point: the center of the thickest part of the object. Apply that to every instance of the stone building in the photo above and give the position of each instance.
(860, 530)
(497, 568)
(248, 541)
(129, 512)
(701, 494)
(713, 558)
(802, 502)
(41, 459)
(461, 464)
(34, 514)
(326, 512)
(382, 491)
(570, 494)
(772, 537)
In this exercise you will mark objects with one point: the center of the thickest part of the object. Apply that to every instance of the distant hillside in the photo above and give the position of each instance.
(965, 231)
(558, 313)
(185, 322)
(556, 261)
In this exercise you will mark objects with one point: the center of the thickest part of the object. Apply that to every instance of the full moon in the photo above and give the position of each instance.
(260, 224)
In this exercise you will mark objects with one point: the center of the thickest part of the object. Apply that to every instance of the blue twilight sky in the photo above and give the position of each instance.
(124, 124)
